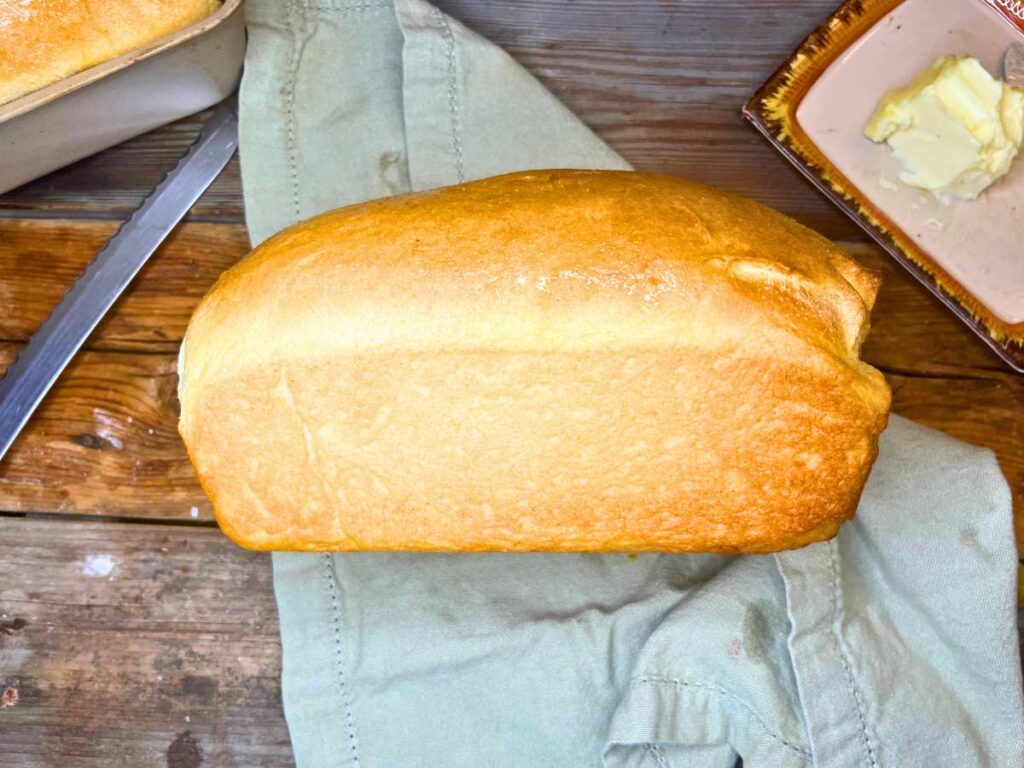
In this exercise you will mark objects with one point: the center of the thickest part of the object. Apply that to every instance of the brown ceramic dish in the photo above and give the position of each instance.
(970, 255)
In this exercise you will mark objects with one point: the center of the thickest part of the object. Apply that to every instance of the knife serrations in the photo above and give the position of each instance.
(33, 371)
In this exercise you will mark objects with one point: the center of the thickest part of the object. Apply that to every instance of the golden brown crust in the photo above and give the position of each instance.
(546, 361)
(43, 41)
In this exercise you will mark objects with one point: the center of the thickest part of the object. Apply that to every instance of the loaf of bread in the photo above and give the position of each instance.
(43, 42)
(545, 361)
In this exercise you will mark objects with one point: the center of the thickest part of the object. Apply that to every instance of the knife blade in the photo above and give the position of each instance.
(32, 373)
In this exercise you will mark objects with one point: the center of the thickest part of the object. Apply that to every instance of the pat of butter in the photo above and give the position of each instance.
(956, 129)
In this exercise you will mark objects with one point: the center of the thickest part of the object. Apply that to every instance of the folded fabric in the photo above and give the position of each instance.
(893, 645)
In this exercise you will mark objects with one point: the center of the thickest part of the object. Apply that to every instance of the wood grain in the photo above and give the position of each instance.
(662, 82)
(172, 658)
(105, 440)
(40, 259)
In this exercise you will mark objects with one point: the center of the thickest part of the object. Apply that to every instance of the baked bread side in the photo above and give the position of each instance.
(545, 361)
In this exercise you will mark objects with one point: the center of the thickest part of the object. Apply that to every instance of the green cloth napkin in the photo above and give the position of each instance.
(893, 645)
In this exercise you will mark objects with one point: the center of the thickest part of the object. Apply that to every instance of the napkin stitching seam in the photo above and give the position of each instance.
(844, 658)
(453, 103)
(293, 76)
(648, 680)
(363, 5)
(339, 659)
(658, 755)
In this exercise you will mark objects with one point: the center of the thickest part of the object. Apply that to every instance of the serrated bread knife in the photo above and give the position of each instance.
(33, 372)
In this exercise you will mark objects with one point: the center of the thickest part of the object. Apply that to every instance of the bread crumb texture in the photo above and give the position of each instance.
(543, 361)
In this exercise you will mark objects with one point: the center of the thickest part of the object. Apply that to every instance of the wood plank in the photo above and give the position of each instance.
(105, 441)
(126, 644)
(40, 259)
(661, 81)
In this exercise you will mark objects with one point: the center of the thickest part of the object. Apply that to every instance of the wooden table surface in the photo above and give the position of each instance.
(131, 632)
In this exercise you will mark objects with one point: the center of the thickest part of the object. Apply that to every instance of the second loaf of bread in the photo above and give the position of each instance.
(547, 361)
(43, 42)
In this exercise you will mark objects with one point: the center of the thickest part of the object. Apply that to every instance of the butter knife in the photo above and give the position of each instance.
(33, 372)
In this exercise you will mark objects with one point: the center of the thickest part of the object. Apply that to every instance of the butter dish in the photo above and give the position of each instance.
(964, 241)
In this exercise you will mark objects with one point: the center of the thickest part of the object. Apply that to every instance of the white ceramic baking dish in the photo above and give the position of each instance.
(172, 77)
